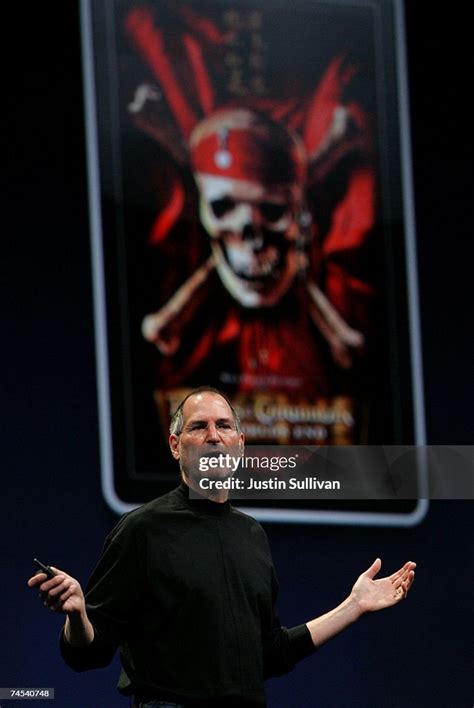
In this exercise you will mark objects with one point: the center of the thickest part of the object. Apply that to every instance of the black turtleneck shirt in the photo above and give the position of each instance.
(187, 589)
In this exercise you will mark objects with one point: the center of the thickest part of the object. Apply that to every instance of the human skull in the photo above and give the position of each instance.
(249, 175)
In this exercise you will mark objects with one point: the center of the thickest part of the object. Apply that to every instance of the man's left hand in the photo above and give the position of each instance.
(371, 595)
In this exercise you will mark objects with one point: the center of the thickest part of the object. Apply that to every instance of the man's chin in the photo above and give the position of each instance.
(216, 473)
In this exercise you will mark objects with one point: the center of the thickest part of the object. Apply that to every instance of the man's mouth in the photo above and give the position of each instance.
(215, 451)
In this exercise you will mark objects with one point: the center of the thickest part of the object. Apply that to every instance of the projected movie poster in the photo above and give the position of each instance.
(249, 168)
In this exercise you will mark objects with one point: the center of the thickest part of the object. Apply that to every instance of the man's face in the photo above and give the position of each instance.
(253, 232)
(208, 430)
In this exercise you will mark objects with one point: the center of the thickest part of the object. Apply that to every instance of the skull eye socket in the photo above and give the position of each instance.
(220, 207)
(272, 212)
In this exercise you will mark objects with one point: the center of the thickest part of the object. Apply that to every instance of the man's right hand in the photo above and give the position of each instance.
(63, 593)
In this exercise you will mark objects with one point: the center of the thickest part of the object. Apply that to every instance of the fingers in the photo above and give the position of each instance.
(50, 590)
(70, 592)
(398, 574)
(55, 592)
(40, 577)
(408, 574)
(403, 585)
(401, 579)
(409, 565)
(409, 581)
(36, 579)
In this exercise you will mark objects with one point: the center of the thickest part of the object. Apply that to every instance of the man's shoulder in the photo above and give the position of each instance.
(150, 512)
(252, 523)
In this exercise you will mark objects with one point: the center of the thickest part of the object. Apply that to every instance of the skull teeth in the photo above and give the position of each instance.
(250, 265)
(259, 269)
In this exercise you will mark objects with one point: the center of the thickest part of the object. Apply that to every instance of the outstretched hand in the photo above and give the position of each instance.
(371, 595)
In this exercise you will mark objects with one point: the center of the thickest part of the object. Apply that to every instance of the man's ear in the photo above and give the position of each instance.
(173, 441)
(241, 443)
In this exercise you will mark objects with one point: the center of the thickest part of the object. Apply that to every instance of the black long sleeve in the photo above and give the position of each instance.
(188, 591)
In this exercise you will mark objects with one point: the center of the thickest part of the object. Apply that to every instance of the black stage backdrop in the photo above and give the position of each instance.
(418, 654)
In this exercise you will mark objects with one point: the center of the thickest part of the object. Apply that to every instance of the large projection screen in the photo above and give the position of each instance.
(252, 229)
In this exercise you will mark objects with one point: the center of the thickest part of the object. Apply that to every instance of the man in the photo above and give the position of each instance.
(186, 587)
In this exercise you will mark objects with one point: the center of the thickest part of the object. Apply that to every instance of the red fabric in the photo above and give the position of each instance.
(284, 353)
(248, 153)
(203, 82)
(167, 218)
(150, 43)
(354, 216)
(325, 99)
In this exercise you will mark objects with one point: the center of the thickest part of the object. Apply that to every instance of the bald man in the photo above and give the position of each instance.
(185, 588)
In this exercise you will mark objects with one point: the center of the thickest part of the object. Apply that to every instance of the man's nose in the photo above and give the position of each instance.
(212, 434)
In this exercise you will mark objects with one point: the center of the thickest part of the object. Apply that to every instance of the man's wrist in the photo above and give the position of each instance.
(353, 608)
(328, 625)
(78, 630)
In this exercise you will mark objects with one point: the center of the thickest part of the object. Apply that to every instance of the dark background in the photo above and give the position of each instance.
(415, 655)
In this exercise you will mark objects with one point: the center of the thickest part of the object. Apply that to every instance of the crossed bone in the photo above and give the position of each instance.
(165, 327)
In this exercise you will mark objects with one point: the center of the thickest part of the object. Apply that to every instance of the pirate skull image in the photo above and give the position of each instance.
(251, 177)
(250, 173)
(280, 193)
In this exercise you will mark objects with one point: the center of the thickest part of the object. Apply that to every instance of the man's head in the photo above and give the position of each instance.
(205, 424)
(250, 173)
